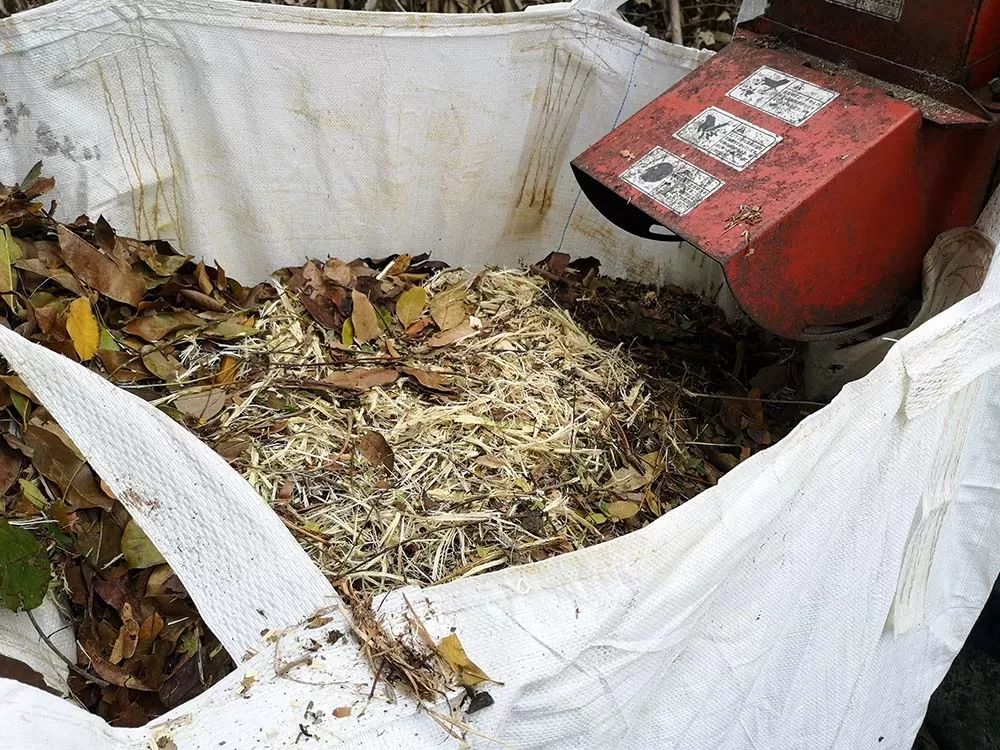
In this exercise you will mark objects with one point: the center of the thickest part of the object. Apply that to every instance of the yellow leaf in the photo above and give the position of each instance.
(622, 509)
(347, 333)
(411, 304)
(82, 328)
(364, 318)
(451, 650)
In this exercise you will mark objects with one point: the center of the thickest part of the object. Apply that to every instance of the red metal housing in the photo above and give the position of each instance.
(817, 189)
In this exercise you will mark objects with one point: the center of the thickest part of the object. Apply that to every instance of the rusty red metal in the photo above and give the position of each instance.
(817, 191)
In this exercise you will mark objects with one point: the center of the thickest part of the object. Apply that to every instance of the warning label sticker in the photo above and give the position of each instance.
(891, 9)
(783, 96)
(735, 142)
(671, 181)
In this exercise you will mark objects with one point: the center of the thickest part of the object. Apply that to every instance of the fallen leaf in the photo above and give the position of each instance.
(201, 276)
(22, 404)
(164, 366)
(446, 338)
(98, 270)
(375, 448)
(10, 252)
(116, 675)
(226, 330)
(347, 334)
(139, 552)
(10, 468)
(151, 627)
(24, 569)
(341, 712)
(417, 327)
(60, 276)
(128, 637)
(232, 448)
(622, 509)
(154, 327)
(31, 493)
(338, 272)
(364, 318)
(55, 460)
(448, 308)
(361, 379)
(410, 305)
(161, 265)
(451, 650)
(434, 381)
(13, 669)
(123, 367)
(202, 300)
(597, 518)
(227, 370)
(81, 325)
(201, 404)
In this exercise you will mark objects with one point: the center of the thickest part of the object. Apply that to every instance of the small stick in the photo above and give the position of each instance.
(676, 32)
(73, 668)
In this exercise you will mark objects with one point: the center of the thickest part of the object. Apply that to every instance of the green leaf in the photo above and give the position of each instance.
(24, 569)
(139, 552)
(32, 494)
(108, 341)
(411, 304)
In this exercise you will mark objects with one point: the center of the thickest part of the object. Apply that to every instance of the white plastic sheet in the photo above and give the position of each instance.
(814, 598)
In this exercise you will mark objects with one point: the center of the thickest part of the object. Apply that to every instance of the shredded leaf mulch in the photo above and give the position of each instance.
(410, 423)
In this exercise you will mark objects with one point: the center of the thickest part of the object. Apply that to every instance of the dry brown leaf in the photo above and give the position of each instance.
(398, 266)
(364, 318)
(99, 271)
(128, 637)
(227, 370)
(202, 405)
(410, 305)
(451, 650)
(117, 676)
(341, 712)
(448, 308)
(201, 276)
(445, 338)
(204, 301)
(81, 325)
(417, 327)
(60, 276)
(362, 379)
(56, 461)
(375, 448)
(139, 552)
(154, 327)
(434, 381)
(338, 272)
(164, 366)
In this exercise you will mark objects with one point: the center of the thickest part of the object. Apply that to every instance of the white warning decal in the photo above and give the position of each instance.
(783, 96)
(891, 9)
(668, 179)
(735, 142)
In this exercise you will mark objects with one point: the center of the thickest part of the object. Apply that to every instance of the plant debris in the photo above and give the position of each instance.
(410, 424)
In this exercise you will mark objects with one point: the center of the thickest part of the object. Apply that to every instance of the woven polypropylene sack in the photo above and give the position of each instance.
(814, 598)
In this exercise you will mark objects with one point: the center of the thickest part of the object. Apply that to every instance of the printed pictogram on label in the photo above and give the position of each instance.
(781, 95)
(671, 181)
(891, 9)
(735, 142)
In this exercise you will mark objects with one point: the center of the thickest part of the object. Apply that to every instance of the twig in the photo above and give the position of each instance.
(747, 398)
(676, 32)
(73, 668)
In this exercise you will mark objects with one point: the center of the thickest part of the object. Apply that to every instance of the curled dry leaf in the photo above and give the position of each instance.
(361, 379)
(128, 636)
(338, 272)
(364, 318)
(410, 305)
(227, 370)
(100, 271)
(81, 325)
